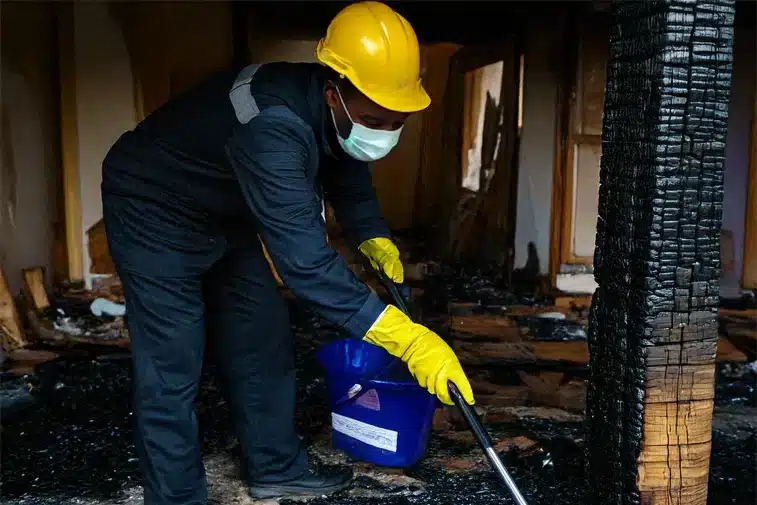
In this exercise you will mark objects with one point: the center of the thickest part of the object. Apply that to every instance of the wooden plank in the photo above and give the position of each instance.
(475, 352)
(742, 313)
(522, 352)
(726, 351)
(547, 388)
(99, 254)
(11, 332)
(686, 342)
(464, 320)
(485, 325)
(536, 390)
(34, 287)
(749, 268)
(571, 396)
(741, 333)
(487, 393)
(544, 381)
(568, 302)
(70, 143)
(25, 361)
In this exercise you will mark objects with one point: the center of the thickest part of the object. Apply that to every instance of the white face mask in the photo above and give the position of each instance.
(363, 143)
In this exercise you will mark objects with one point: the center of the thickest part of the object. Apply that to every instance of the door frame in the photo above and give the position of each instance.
(464, 60)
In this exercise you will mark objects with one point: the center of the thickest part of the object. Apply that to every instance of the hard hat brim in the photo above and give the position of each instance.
(414, 99)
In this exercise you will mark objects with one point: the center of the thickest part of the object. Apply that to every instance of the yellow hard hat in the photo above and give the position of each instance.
(377, 50)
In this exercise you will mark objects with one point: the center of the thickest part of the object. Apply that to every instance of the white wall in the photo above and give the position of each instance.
(537, 148)
(737, 152)
(104, 102)
(28, 156)
(27, 179)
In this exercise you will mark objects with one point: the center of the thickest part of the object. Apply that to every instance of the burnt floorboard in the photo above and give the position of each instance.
(72, 443)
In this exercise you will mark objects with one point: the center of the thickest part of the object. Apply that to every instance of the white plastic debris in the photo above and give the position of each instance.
(102, 306)
(67, 326)
(553, 315)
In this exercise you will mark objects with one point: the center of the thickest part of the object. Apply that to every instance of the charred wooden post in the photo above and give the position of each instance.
(653, 329)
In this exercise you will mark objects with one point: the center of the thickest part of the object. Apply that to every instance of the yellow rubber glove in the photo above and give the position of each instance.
(431, 361)
(384, 255)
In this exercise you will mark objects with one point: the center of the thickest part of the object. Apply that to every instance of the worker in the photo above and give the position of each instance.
(189, 194)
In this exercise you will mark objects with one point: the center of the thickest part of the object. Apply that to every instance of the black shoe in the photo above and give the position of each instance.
(312, 483)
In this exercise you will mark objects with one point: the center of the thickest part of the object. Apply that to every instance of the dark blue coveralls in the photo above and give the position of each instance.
(184, 196)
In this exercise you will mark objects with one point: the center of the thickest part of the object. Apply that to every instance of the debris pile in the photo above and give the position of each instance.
(525, 352)
(76, 442)
(736, 384)
(85, 318)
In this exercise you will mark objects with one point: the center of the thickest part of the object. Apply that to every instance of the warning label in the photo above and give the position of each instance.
(366, 433)
(369, 400)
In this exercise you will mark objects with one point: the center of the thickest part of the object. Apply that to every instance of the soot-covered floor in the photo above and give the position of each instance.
(72, 443)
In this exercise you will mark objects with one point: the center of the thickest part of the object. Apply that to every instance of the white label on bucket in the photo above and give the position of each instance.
(366, 433)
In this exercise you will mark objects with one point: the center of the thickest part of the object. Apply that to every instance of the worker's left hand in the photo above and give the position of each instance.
(384, 256)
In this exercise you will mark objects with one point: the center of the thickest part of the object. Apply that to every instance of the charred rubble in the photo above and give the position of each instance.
(71, 427)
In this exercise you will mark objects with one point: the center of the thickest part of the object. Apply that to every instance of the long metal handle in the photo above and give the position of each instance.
(469, 414)
(394, 292)
(485, 442)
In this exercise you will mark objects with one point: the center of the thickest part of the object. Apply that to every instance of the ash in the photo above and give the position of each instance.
(71, 444)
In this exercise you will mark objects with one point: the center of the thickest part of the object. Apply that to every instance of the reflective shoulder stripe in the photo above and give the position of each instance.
(242, 100)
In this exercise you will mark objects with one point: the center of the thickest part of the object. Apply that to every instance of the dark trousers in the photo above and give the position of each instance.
(181, 274)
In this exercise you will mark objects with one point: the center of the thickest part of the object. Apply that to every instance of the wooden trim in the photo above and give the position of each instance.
(571, 139)
(587, 139)
(34, 287)
(11, 330)
(569, 168)
(565, 56)
(471, 111)
(749, 268)
(70, 142)
(566, 227)
(567, 254)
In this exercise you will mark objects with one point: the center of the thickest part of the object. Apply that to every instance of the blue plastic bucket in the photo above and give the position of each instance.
(379, 413)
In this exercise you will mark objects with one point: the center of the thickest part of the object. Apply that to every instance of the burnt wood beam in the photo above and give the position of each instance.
(652, 325)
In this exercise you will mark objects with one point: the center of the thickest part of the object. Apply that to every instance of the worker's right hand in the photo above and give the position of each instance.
(431, 361)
